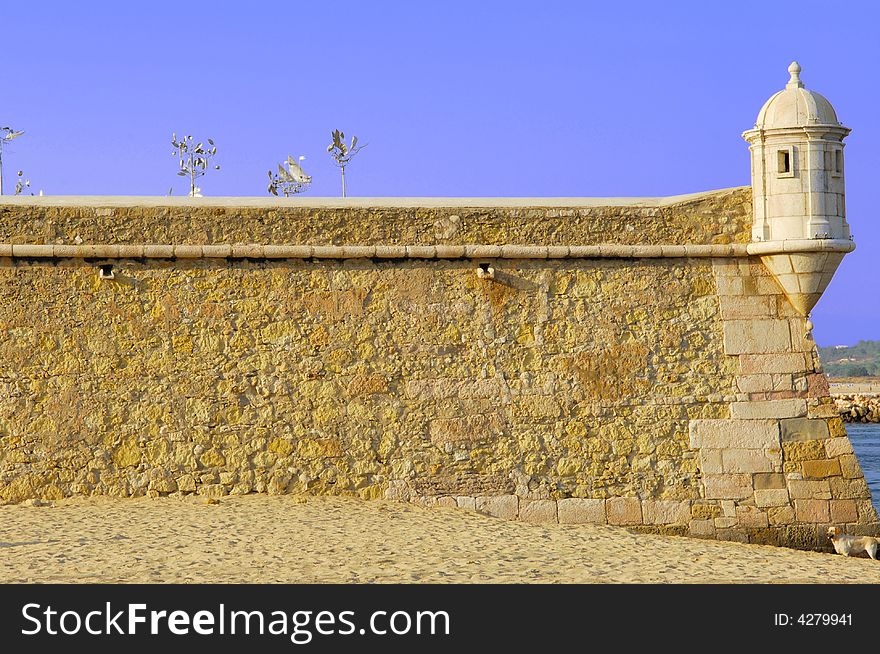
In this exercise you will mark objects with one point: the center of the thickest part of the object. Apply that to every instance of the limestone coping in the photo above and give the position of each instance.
(108, 201)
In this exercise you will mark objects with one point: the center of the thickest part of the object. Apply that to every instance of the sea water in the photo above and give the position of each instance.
(865, 439)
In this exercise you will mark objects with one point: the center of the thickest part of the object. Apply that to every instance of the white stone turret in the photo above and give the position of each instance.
(798, 191)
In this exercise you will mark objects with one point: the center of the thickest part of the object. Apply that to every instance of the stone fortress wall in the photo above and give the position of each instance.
(629, 362)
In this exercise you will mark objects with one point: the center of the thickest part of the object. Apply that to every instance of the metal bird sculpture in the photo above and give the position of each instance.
(291, 181)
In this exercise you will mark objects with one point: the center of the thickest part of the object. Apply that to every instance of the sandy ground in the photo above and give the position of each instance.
(850, 385)
(263, 539)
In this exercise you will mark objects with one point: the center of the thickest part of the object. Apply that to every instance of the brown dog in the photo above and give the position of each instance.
(846, 544)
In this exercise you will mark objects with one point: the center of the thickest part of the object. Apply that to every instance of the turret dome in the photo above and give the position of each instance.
(795, 106)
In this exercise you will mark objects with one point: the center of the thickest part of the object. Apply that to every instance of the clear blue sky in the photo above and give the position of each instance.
(454, 98)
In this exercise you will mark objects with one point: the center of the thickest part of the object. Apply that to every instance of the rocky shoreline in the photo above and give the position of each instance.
(857, 407)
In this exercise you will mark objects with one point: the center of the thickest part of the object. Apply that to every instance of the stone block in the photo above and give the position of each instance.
(702, 528)
(817, 490)
(800, 536)
(228, 478)
(867, 512)
(783, 381)
(702, 510)
(757, 409)
(768, 481)
(751, 517)
(817, 385)
(844, 511)
(726, 522)
(623, 511)
(666, 512)
(766, 286)
(538, 511)
(186, 484)
(212, 490)
(812, 510)
(755, 383)
(771, 497)
(849, 466)
(803, 450)
(576, 510)
(738, 307)
(822, 411)
(447, 502)
(767, 536)
(742, 434)
(821, 468)
(726, 267)
(736, 460)
(733, 487)
(849, 489)
(163, 485)
(466, 502)
(780, 515)
(777, 363)
(869, 529)
(710, 461)
(499, 506)
(803, 429)
(733, 535)
(838, 447)
(729, 285)
(756, 336)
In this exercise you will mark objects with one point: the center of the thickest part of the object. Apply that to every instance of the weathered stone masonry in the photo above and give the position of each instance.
(640, 362)
(679, 394)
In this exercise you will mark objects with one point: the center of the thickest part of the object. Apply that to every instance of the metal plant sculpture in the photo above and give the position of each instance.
(342, 153)
(6, 135)
(21, 183)
(194, 159)
(291, 181)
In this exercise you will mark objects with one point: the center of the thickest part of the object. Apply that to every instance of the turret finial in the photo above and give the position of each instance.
(795, 71)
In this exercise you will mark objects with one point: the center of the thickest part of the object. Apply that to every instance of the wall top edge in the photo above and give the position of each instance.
(74, 201)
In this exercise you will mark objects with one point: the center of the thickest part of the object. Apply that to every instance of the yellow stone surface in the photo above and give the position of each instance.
(194, 366)
(409, 379)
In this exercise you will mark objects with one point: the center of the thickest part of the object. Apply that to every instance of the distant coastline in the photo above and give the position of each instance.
(861, 360)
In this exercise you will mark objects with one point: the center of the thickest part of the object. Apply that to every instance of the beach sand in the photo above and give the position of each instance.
(268, 539)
